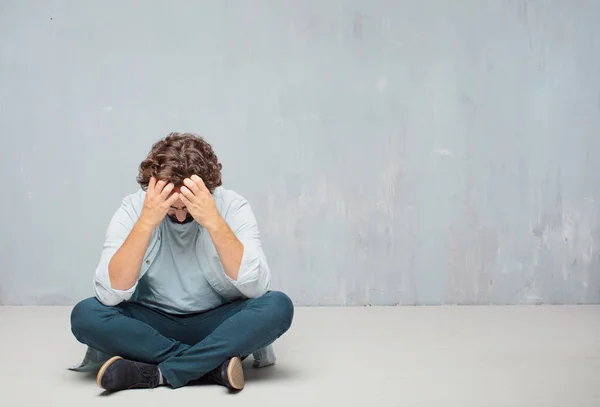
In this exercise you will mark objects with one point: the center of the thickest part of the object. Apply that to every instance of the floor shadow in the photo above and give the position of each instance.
(86, 377)
(274, 373)
(207, 382)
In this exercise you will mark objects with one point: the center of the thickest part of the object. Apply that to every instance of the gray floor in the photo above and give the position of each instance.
(409, 356)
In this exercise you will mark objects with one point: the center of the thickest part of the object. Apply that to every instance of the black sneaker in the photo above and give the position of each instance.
(230, 374)
(122, 374)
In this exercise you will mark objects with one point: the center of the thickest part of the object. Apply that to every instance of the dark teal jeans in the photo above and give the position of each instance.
(184, 347)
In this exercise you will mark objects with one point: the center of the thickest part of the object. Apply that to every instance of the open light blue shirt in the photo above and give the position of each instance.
(254, 275)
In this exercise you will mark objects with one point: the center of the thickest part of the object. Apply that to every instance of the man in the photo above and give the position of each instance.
(182, 286)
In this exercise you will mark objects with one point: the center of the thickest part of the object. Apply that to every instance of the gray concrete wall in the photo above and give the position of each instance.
(395, 152)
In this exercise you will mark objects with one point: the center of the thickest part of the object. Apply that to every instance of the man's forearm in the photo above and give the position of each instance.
(228, 246)
(125, 265)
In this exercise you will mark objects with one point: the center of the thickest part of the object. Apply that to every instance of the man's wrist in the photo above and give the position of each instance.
(216, 225)
(145, 226)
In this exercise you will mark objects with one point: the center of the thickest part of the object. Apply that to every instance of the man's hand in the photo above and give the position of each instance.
(124, 267)
(201, 205)
(199, 202)
(157, 202)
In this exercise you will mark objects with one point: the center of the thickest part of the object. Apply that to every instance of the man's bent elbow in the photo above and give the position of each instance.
(108, 297)
(256, 286)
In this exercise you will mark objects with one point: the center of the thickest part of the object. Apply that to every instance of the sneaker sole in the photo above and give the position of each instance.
(103, 369)
(235, 373)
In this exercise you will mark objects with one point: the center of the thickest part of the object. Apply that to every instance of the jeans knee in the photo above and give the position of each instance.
(282, 308)
(83, 317)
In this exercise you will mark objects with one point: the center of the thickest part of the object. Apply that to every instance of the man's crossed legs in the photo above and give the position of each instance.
(184, 348)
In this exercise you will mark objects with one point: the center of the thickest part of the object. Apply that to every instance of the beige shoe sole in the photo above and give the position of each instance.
(103, 369)
(235, 373)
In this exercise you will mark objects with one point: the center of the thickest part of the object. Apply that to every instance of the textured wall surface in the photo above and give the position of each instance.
(395, 152)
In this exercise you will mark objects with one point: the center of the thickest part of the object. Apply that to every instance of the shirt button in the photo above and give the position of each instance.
(147, 261)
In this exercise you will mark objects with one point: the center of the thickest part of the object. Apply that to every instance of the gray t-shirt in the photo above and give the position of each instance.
(174, 283)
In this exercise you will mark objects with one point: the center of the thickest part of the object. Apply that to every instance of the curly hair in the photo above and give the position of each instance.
(179, 156)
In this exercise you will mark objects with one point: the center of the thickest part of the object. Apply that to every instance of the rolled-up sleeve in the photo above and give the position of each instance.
(254, 275)
(118, 229)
